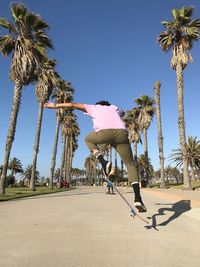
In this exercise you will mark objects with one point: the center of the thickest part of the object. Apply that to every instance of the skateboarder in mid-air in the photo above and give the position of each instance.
(109, 128)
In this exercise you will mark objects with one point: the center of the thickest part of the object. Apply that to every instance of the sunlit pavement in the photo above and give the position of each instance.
(86, 227)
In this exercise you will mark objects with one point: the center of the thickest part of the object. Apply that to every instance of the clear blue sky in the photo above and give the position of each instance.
(108, 50)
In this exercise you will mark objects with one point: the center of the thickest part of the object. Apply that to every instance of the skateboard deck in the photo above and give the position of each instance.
(133, 211)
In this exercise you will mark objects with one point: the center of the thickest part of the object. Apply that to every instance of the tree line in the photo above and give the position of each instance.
(178, 36)
(28, 43)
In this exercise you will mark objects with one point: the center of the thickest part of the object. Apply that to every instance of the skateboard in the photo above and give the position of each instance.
(133, 211)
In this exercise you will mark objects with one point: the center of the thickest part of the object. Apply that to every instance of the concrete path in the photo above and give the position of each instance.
(87, 228)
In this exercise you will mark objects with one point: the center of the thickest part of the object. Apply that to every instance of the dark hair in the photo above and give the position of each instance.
(103, 103)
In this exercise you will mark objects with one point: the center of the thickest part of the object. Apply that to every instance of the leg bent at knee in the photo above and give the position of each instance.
(90, 142)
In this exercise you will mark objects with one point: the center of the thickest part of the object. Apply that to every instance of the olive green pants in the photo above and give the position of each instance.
(117, 138)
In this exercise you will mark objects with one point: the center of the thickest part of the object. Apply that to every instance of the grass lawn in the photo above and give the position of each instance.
(195, 185)
(19, 192)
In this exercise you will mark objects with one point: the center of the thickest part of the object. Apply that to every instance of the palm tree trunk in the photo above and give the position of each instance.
(146, 156)
(181, 126)
(116, 160)
(53, 161)
(116, 167)
(62, 160)
(36, 146)
(66, 158)
(122, 170)
(160, 137)
(11, 132)
(70, 158)
(12, 172)
(193, 169)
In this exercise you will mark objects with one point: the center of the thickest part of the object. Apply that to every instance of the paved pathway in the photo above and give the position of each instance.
(86, 228)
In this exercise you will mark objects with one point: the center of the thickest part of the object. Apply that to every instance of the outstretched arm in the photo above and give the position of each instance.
(78, 106)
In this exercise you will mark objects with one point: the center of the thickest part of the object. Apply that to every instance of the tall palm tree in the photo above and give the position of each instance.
(73, 144)
(144, 111)
(160, 136)
(69, 131)
(91, 168)
(133, 128)
(46, 80)
(179, 35)
(116, 165)
(193, 155)
(62, 93)
(64, 140)
(26, 42)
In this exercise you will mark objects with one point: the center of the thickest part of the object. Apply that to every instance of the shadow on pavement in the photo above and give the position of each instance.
(177, 208)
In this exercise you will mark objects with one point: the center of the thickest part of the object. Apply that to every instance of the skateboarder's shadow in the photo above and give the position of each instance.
(177, 208)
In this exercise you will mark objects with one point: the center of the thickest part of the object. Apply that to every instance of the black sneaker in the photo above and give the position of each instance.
(140, 206)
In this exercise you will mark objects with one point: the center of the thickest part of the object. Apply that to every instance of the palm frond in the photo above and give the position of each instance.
(6, 24)
(18, 11)
(179, 35)
(40, 24)
(194, 23)
(7, 45)
(166, 41)
(186, 12)
(191, 32)
(43, 38)
(29, 20)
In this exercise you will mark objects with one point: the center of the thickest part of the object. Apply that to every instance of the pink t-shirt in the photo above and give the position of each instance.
(105, 117)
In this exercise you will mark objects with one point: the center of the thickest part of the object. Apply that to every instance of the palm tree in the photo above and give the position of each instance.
(144, 167)
(63, 93)
(172, 173)
(27, 174)
(179, 35)
(160, 136)
(26, 41)
(69, 131)
(15, 166)
(91, 168)
(192, 155)
(133, 128)
(46, 81)
(144, 111)
(73, 144)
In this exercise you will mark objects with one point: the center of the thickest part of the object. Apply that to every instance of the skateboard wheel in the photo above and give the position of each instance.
(131, 215)
(105, 184)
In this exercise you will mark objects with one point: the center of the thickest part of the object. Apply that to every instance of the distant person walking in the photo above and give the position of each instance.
(109, 128)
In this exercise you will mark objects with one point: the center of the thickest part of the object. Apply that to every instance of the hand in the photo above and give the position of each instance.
(49, 105)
